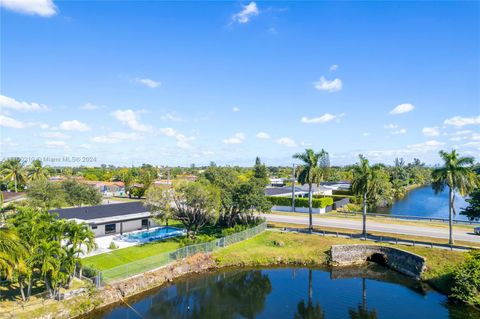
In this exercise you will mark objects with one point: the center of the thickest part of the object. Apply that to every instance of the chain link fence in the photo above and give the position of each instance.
(146, 264)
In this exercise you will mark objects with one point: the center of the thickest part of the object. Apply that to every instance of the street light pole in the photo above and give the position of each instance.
(293, 188)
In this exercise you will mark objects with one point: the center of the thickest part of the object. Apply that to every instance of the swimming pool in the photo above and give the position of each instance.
(152, 235)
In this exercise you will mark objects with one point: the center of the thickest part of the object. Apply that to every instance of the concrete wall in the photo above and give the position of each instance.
(298, 209)
(400, 260)
(127, 227)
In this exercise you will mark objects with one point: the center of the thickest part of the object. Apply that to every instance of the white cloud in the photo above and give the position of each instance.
(390, 126)
(55, 144)
(11, 103)
(400, 131)
(74, 125)
(147, 82)
(130, 119)
(115, 137)
(326, 85)
(86, 146)
(172, 117)
(431, 131)
(237, 138)
(462, 121)
(6, 121)
(428, 145)
(44, 8)
(402, 108)
(89, 107)
(184, 141)
(263, 135)
(58, 135)
(327, 117)
(247, 12)
(235, 109)
(333, 67)
(287, 141)
(366, 134)
(168, 131)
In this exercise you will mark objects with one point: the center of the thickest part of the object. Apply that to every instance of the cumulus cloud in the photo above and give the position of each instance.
(131, 120)
(43, 8)
(328, 86)
(9, 122)
(402, 108)
(116, 137)
(263, 135)
(147, 82)
(168, 131)
(57, 135)
(172, 117)
(11, 103)
(428, 145)
(246, 13)
(431, 131)
(287, 141)
(460, 121)
(74, 125)
(327, 117)
(182, 141)
(400, 131)
(237, 138)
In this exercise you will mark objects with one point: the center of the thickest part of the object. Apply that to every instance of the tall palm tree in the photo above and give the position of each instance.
(13, 169)
(80, 239)
(11, 251)
(36, 171)
(362, 174)
(456, 174)
(311, 172)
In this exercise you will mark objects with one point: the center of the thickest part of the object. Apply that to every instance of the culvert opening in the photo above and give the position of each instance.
(378, 258)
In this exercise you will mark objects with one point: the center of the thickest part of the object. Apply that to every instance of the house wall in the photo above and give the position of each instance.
(127, 227)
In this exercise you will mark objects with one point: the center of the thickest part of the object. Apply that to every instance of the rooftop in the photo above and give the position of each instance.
(101, 211)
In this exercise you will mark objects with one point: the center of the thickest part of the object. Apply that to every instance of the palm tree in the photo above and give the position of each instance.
(13, 170)
(456, 174)
(36, 171)
(80, 237)
(311, 172)
(11, 251)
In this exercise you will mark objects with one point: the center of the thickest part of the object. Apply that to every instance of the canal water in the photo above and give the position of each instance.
(365, 292)
(424, 202)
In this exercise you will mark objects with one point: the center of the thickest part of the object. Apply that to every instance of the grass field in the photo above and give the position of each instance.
(271, 248)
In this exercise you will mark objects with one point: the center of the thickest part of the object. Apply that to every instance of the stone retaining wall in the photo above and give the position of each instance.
(400, 260)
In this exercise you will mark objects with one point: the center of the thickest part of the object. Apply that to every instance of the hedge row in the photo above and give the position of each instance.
(347, 192)
(300, 202)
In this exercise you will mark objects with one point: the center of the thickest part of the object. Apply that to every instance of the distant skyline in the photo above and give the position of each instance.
(175, 83)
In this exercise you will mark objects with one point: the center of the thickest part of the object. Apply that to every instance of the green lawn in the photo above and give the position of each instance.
(126, 255)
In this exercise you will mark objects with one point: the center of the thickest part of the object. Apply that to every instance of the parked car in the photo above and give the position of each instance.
(476, 230)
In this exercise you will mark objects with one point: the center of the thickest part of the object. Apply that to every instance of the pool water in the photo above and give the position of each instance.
(155, 234)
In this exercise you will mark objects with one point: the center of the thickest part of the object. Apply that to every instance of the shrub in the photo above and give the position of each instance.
(301, 202)
(89, 272)
(197, 240)
(466, 280)
(235, 229)
(112, 245)
(342, 192)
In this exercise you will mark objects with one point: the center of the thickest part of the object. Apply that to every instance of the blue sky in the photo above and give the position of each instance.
(175, 83)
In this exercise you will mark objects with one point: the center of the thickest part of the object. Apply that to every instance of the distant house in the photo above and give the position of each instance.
(317, 190)
(285, 192)
(110, 219)
(187, 177)
(12, 196)
(277, 182)
(108, 189)
(162, 183)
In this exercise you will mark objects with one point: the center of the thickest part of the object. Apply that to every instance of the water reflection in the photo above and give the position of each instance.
(352, 293)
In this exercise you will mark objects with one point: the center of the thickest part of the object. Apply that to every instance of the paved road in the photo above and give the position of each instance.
(463, 235)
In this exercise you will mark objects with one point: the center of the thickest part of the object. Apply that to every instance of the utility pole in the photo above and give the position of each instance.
(293, 188)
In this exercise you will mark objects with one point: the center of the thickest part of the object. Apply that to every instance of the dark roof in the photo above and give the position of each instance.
(100, 211)
(280, 190)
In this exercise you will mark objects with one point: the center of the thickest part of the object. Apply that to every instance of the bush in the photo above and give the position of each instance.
(301, 202)
(353, 199)
(235, 229)
(197, 240)
(89, 272)
(342, 192)
(112, 245)
(466, 280)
